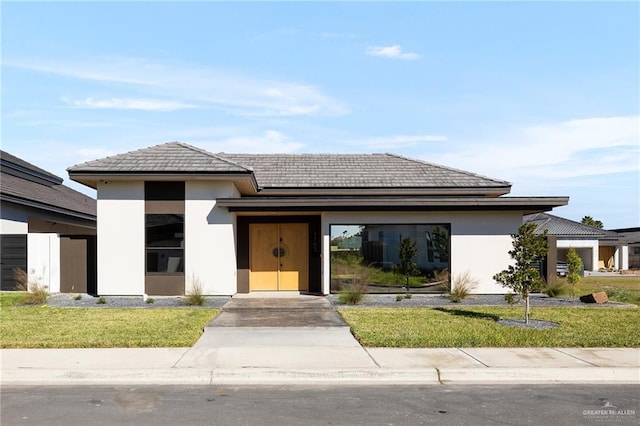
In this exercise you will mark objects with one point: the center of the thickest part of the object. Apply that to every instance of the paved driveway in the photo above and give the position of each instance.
(303, 332)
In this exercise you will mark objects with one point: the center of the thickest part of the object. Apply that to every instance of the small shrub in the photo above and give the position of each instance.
(149, 300)
(351, 295)
(101, 300)
(510, 298)
(462, 286)
(195, 297)
(408, 296)
(399, 297)
(35, 293)
(77, 297)
(555, 288)
(574, 265)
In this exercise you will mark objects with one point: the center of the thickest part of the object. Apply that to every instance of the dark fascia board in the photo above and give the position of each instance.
(273, 191)
(29, 173)
(91, 179)
(49, 208)
(264, 204)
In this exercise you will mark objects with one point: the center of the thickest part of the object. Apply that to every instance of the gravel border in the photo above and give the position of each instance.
(67, 300)
(431, 300)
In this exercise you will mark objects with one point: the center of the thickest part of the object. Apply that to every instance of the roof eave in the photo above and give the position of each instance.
(525, 204)
(48, 207)
(91, 179)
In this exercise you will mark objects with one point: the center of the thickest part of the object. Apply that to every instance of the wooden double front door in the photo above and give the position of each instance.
(279, 257)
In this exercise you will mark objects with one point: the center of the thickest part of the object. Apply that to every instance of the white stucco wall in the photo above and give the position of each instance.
(43, 260)
(210, 249)
(121, 238)
(584, 248)
(480, 241)
(622, 257)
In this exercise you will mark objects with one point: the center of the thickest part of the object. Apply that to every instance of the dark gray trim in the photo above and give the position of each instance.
(263, 204)
(49, 208)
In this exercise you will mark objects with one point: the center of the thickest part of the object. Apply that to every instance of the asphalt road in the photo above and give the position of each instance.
(344, 405)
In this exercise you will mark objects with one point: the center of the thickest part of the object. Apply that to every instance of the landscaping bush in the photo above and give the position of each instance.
(556, 288)
(351, 295)
(34, 292)
(195, 296)
(462, 286)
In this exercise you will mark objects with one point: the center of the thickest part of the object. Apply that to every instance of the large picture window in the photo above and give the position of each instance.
(370, 255)
(165, 243)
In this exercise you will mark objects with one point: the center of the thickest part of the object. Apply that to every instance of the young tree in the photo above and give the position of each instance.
(588, 220)
(408, 252)
(523, 277)
(574, 265)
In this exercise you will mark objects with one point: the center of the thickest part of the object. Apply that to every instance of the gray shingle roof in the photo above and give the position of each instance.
(562, 227)
(169, 157)
(356, 171)
(296, 171)
(21, 182)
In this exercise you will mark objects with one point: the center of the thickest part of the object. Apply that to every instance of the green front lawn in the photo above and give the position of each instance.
(476, 327)
(619, 289)
(44, 327)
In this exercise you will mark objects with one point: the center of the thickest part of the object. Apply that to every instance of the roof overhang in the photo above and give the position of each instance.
(527, 205)
(245, 182)
(82, 218)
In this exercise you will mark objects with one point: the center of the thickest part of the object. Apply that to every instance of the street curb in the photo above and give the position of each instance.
(560, 375)
(259, 376)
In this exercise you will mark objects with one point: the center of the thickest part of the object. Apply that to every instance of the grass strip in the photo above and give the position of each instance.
(477, 327)
(45, 327)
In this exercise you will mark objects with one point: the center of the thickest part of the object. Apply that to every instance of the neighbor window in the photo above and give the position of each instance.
(165, 243)
(370, 255)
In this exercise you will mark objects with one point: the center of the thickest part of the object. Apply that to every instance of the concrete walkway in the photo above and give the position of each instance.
(304, 341)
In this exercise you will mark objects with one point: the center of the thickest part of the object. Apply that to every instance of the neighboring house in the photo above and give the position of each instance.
(46, 229)
(632, 237)
(173, 216)
(598, 248)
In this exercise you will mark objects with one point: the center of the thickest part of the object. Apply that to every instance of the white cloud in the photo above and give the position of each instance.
(396, 141)
(268, 143)
(181, 85)
(129, 103)
(67, 124)
(394, 51)
(549, 153)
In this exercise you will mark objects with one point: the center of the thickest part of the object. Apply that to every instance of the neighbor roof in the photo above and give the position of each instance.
(28, 185)
(562, 227)
(293, 173)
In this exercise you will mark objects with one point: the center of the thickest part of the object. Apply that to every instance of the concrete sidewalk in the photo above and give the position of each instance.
(262, 360)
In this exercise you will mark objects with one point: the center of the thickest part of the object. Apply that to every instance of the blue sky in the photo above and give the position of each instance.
(544, 95)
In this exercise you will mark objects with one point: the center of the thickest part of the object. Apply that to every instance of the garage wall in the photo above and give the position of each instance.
(480, 241)
(586, 249)
(43, 260)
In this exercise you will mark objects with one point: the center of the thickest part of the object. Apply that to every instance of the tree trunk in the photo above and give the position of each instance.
(526, 310)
